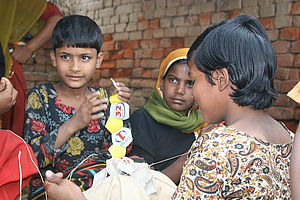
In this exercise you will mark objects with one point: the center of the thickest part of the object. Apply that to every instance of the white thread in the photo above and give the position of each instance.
(20, 170)
(114, 82)
(31, 161)
(71, 173)
(177, 156)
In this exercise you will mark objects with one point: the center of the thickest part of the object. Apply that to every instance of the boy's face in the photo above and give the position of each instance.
(76, 66)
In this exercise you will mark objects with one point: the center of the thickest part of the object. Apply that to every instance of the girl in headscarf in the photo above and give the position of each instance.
(165, 127)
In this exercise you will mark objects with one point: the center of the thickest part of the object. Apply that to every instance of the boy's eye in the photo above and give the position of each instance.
(65, 57)
(85, 58)
(190, 83)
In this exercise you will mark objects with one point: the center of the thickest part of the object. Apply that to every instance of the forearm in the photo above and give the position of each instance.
(45, 34)
(65, 132)
(174, 171)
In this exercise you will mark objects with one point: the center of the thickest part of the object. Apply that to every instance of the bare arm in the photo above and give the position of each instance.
(23, 53)
(174, 171)
(88, 111)
(295, 166)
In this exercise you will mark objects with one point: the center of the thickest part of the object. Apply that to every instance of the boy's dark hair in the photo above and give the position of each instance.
(180, 61)
(77, 31)
(241, 45)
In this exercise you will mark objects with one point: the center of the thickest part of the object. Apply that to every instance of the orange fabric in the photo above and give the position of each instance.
(295, 93)
(14, 118)
(10, 146)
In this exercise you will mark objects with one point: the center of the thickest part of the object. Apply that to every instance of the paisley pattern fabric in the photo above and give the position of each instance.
(226, 163)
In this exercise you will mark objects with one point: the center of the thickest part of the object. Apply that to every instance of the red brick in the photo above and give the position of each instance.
(177, 42)
(147, 73)
(295, 8)
(294, 74)
(128, 53)
(291, 33)
(191, 20)
(117, 55)
(205, 19)
(280, 113)
(141, 18)
(167, 51)
(287, 85)
(282, 73)
(123, 73)
(106, 73)
(134, 44)
(282, 100)
(155, 23)
(146, 44)
(295, 46)
(108, 64)
(142, 25)
(234, 13)
(108, 46)
(125, 63)
(106, 55)
(285, 60)
(107, 37)
(268, 23)
(297, 60)
(157, 53)
(281, 46)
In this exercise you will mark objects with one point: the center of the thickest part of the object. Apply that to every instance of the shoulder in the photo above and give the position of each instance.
(43, 86)
(222, 140)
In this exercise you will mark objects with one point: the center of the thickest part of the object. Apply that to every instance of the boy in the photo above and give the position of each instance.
(65, 122)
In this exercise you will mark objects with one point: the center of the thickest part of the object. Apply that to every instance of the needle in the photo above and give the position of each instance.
(114, 82)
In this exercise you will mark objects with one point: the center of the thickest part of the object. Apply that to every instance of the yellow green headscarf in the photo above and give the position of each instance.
(17, 18)
(160, 111)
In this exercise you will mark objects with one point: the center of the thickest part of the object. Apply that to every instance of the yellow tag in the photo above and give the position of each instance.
(113, 124)
(114, 98)
(117, 151)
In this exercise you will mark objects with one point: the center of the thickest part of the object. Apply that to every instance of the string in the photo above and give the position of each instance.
(31, 161)
(73, 170)
(171, 158)
(20, 170)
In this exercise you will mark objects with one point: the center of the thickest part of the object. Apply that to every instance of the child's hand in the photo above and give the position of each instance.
(22, 53)
(123, 91)
(8, 95)
(58, 188)
(92, 108)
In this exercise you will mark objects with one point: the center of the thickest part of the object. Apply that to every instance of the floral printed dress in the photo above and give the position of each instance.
(226, 163)
(45, 113)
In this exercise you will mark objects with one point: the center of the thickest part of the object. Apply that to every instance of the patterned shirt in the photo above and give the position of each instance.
(226, 163)
(45, 113)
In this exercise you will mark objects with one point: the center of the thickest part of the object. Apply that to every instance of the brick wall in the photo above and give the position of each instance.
(138, 34)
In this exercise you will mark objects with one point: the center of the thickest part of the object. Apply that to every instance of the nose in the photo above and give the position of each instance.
(75, 65)
(180, 88)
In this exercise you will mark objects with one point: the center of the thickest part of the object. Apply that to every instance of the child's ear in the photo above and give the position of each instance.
(161, 85)
(99, 60)
(53, 59)
(221, 78)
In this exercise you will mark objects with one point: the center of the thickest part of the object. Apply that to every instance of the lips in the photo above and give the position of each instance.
(75, 78)
(177, 100)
